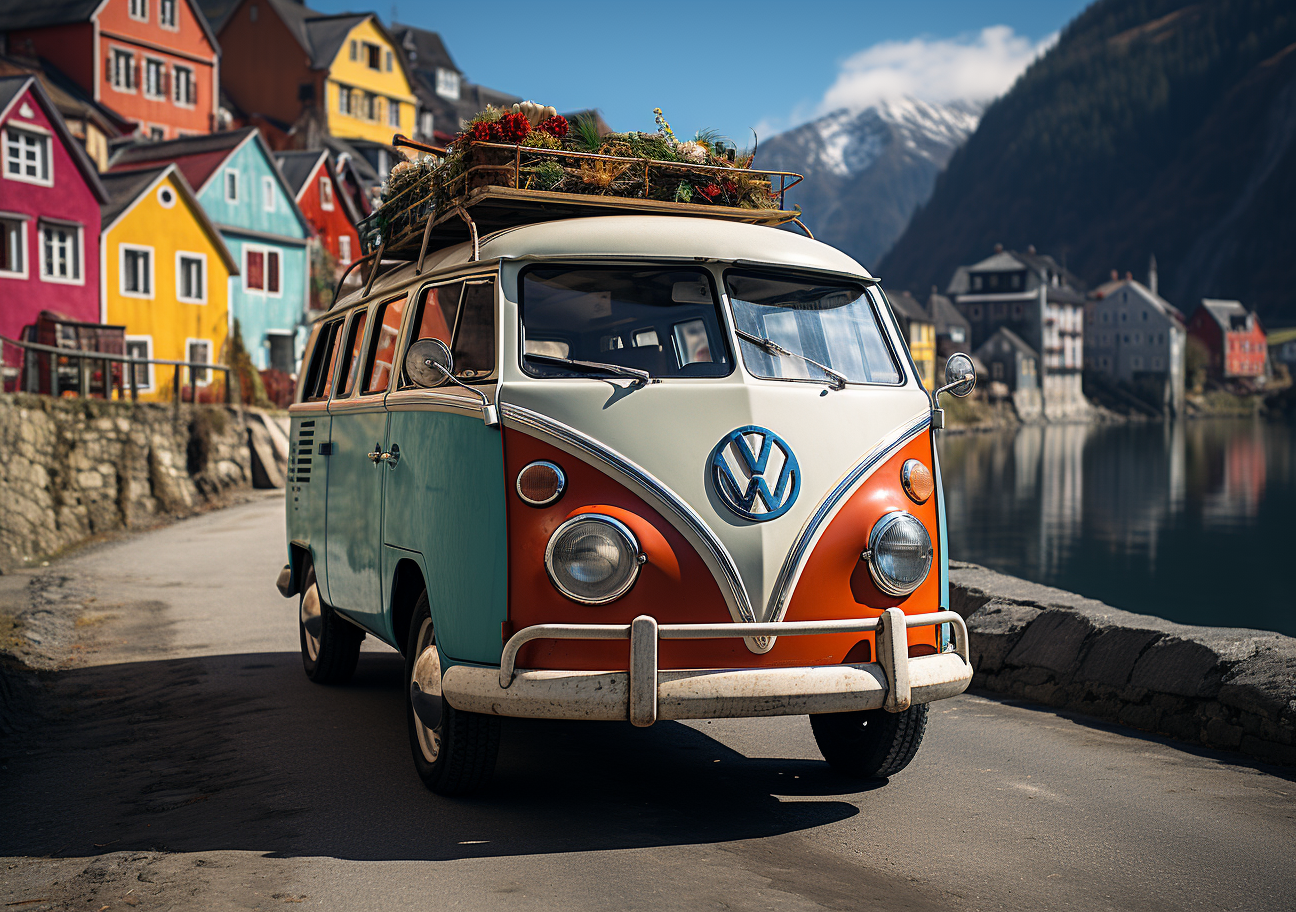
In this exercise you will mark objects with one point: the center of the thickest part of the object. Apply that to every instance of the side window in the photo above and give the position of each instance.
(319, 377)
(351, 353)
(435, 317)
(382, 345)
(474, 332)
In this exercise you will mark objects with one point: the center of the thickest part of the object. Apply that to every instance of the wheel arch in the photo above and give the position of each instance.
(407, 585)
(300, 559)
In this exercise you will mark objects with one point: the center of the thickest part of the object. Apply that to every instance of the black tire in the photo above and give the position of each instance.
(457, 755)
(872, 743)
(330, 646)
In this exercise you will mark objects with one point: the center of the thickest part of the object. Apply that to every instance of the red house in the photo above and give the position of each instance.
(156, 62)
(1233, 336)
(50, 195)
(324, 202)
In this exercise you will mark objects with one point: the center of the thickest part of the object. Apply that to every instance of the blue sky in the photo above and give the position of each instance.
(735, 66)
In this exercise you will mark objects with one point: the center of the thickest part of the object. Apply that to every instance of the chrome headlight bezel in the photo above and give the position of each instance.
(627, 543)
(884, 582)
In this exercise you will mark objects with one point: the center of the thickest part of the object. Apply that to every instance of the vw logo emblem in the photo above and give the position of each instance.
(755, 474)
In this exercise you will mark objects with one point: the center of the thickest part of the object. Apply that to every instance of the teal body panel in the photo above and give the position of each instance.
(353, 530)
(444, 500)
(307, 486)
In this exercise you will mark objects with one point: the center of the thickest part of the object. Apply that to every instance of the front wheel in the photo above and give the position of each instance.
(454, 751)
(871, 743)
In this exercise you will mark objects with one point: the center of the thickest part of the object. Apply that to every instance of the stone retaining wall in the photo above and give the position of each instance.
(1223, 687)
(73, 468)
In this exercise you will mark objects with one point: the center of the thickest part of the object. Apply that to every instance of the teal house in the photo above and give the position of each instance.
(245, 196)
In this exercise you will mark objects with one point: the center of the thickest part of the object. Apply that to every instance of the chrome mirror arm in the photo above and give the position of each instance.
(490, 412)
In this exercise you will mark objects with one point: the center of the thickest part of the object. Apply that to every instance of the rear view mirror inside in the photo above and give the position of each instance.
(691, 292)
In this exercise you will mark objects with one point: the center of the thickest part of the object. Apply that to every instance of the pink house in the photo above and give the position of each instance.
(49, 216)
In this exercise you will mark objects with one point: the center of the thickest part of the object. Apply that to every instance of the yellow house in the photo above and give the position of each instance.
(164, 274)
(919, 331)
(294, 64)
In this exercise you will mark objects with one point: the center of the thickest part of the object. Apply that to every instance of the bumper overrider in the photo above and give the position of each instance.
(645, 693)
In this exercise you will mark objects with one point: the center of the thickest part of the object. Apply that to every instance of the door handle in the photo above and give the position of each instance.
(376, 455)
(391, 458)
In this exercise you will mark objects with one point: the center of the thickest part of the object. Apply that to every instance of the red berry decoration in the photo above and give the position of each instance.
(480, 132)
(555, 126)
(710, 192)
(514, 127)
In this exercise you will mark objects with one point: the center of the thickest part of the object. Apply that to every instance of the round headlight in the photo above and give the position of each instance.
(593, 558)
(900, 553)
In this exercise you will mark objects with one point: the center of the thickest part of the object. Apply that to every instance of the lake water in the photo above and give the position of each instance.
(1193, 521)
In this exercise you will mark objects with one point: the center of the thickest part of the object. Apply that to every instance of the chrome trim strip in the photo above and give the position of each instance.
(731, 585)
(796, 559)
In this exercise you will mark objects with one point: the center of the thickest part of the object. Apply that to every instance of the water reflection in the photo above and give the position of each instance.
(1187, 520)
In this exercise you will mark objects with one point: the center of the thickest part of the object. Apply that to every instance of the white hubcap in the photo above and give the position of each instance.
(427, 679)
(311, 621)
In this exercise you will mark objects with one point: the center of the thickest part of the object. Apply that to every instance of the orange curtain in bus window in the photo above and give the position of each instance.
(437, 312)
(388, 328)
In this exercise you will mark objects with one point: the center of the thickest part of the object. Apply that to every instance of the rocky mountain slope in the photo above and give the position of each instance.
(1161, 127)
(867, 171)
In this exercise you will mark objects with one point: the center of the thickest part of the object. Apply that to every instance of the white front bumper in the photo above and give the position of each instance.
(645, 693)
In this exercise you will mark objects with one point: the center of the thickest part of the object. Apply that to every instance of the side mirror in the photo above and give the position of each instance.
(428, 363)
(960, 376)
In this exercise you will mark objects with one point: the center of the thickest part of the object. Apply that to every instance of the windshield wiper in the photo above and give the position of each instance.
(641, 375)
(836, 380)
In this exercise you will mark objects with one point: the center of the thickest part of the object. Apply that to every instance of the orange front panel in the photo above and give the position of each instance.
(675, 586)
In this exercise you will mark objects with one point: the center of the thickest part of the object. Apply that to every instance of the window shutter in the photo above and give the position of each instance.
(166, 83)
(108, 68)
(272, 271)
(135, 74)
(191, 89)
(255, 269)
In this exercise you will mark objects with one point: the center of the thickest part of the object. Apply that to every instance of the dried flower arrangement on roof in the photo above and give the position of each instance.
(532, 147)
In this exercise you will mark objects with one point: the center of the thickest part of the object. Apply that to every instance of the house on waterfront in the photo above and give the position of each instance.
(919, 332)
(154, 62)
(50, 196)
(341, 75)
(238, 184)
(953, 332)
(1042, 303)
(1282, 348)
(1137, 339)
(1233, 337)
(328, 209)
(165, 276)
(1014, 364)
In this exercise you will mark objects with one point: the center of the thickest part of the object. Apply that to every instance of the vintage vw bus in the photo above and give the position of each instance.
(635, 467)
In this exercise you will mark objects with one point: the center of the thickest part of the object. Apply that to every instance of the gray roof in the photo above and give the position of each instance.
(297, 167)
(1107, 289)
(11, 87)
(945, 314)
(1230, 315)
(907, 307)
(1041, 264)
(1016, 341)
(123, 189)
(424, 50)
(144, 150)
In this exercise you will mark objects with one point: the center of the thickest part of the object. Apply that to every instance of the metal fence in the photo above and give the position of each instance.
(75, 370)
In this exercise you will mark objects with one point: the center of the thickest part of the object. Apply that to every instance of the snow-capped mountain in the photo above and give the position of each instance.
(867, 171)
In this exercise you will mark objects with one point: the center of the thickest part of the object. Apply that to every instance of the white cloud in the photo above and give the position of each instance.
(974, 67)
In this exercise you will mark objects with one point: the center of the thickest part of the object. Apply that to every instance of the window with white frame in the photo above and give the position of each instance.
(139, 10)
(136, 271)
(344, 100)
(141, 348)
(27, 156)
(198, 351)
(157, 134)
(184, 86)
(154, 78)
(425, 124)
(373, 56)
(388, 62)
(326, 192)
(261, 270)
(13, 247)
(121, 70)
(267, 194)
(191, 277)
(369, 106)
(344, 249)
(167, 13)
(393, 113)
(447, 83)
(60, 252)
(231, 186)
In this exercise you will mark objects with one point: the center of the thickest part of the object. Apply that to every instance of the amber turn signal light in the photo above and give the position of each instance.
(541, 483)
(917, 480)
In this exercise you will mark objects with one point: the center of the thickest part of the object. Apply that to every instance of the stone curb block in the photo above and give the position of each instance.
(1227, 688)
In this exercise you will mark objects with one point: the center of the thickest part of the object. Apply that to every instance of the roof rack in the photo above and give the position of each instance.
(492, 186)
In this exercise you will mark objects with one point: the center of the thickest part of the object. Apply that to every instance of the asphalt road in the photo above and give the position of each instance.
(187, 763)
